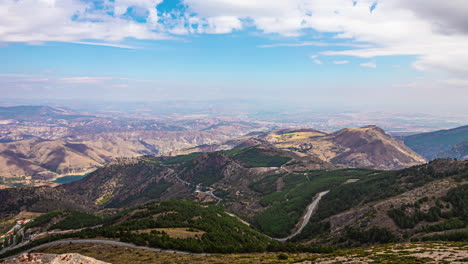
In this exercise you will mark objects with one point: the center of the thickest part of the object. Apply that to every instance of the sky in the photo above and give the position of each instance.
(389, 54)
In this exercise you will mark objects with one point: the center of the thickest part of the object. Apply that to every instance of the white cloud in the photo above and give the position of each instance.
(341, 62)
(435, 32)
(36, 21)
(369, 64)
(221, 25)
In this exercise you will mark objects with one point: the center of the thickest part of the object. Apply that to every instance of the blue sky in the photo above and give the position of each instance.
(396, 54)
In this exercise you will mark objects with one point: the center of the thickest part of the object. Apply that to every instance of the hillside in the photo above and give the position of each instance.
(367, 147)
(269, 188)
(175, 225)
(459, 151)
(426, 202)
(440, 144)
(240, 179)
(45, 160)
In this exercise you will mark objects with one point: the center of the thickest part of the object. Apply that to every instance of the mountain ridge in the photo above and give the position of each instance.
(439, 144)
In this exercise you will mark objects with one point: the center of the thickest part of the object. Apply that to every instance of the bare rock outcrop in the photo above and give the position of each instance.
(39, 258)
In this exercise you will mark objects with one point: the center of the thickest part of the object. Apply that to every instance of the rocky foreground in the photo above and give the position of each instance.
(39, 258)
(414, 253)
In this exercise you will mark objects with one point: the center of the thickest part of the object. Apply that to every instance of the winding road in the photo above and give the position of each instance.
(105, 242)
(299, 227)
(305, 218)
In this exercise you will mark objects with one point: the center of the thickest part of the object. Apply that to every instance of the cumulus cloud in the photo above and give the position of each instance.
(36, 21)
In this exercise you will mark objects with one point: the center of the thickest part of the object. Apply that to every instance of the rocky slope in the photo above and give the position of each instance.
(367, 147)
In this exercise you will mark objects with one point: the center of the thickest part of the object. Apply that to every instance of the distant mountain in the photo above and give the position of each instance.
(366, 147)
(34, 113)
(37, 159)
(440, 144)
(44, 159)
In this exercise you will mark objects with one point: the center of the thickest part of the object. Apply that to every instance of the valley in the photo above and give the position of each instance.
(271, 189)
(377, 208)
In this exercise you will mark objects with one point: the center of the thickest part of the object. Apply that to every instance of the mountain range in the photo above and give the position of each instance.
(366, 147)
(40, 143)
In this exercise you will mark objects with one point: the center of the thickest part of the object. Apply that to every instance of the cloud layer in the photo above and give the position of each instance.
(435, 32)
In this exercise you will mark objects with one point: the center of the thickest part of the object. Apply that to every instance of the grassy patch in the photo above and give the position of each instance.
(258, 157)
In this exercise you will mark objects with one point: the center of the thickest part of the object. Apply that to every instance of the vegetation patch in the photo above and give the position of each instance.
(455, 218)
(77, 220)
(258, 157)
(287, 206)
(182, 158)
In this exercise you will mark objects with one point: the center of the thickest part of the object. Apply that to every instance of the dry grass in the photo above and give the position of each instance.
(180, 232)
(124, 255)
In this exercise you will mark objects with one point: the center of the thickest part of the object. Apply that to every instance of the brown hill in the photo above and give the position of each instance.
(38, 159)
(44, 160)
(366, 147)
